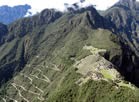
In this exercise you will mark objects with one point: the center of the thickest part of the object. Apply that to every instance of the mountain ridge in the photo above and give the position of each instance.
(47, 61)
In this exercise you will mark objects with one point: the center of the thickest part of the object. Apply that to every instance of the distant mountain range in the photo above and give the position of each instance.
(9, 14)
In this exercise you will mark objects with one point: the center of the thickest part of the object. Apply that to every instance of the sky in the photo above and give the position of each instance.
(39, 5)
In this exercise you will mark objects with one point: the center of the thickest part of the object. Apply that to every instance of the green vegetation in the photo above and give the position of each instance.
(94, 91)
(107, 74)
(49, 49)
(128, 85)
(99, 71)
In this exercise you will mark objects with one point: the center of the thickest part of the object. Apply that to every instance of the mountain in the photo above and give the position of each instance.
(10, 14)
(124, 15)
(76, 56)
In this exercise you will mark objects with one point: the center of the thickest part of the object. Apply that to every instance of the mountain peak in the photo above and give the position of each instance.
(127, 0)
(131, 4)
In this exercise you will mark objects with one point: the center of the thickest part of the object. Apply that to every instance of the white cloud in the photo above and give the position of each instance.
(39, 5)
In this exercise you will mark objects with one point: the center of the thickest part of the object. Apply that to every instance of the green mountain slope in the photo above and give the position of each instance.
(14, 50)
(72, 57)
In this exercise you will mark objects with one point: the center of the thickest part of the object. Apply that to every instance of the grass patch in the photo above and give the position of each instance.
(107, 74)
(128, 85)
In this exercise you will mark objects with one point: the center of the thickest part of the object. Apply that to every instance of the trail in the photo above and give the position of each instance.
(46, 80)
(31, 82)
(42, 66)
(3, 99)
(45, 77)
(11, 99)
(36, 90)
(19, 92)
(41, 99)
(30, 79)
(55, 67)
(26, 90)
